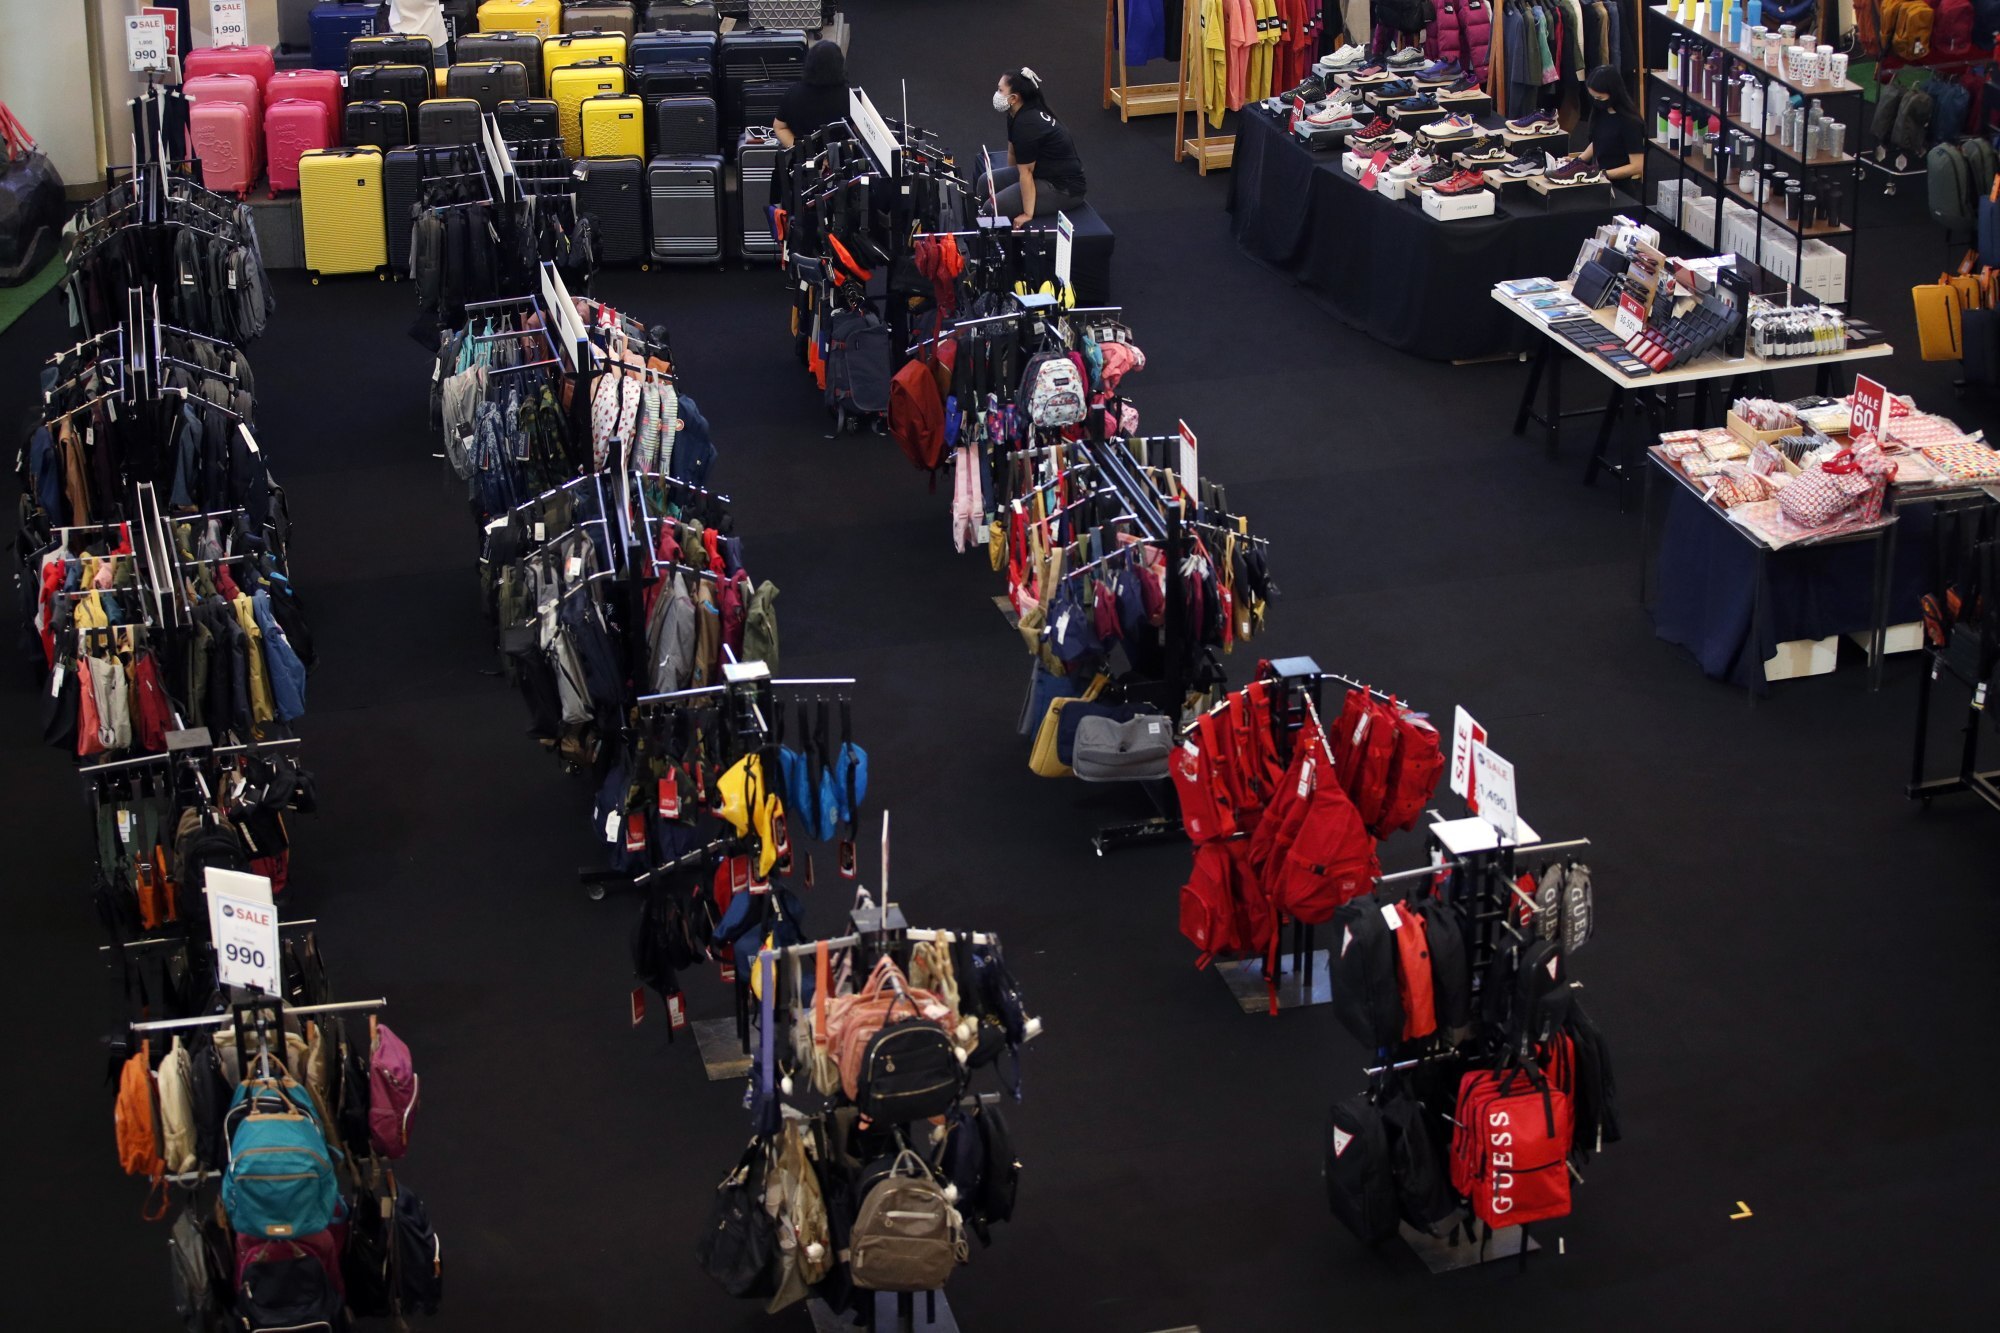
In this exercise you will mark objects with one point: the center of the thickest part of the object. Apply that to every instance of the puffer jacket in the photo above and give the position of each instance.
(1462, 31)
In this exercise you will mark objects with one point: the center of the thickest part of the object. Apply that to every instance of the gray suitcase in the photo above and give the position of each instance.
(685, 197)
(685, 127)
(674, 16)
(489, 84)
(757, 154)
(595, 16)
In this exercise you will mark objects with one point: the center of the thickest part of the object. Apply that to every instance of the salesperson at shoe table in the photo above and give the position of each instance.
(1617, 145)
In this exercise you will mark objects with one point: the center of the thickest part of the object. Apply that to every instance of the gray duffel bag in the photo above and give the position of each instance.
(1134, 751)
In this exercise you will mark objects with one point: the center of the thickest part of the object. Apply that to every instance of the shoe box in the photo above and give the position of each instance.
(1452, 207)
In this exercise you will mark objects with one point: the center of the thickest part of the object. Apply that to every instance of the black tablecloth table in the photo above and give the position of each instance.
(1384, 265)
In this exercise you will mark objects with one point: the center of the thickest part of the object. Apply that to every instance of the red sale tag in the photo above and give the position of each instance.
(638, 1005)
(729, 971)
(670, 798)
(676, 1012)
(635, 832)
(1865, 419)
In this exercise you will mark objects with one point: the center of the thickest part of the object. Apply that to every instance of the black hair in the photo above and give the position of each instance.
(1607, 80)
(826, 64)
(1026, 85)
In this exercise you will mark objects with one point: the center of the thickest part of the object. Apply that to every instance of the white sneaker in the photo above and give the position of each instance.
(1347, 57)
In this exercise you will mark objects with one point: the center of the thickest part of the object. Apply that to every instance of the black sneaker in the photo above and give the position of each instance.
(1487, 152)
(1438, 174)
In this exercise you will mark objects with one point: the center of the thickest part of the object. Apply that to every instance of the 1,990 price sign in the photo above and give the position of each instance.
(229, 22)
(243, 922)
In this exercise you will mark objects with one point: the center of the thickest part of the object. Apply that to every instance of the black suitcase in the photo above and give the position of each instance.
(674, 16)
(405, 174)
(777, 56)
(489, 84)
(484, 48)
(657, 81)
(529, 118)
(651, 49)
(384, 125)
(448, 120)
(613, 191)
(393, 49)
(685, 127)
(684, 197)
(411, 85)
(757, 154)
(760, 104)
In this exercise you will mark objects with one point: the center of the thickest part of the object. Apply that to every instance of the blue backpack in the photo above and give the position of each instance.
(280, 1182)
(1951, 104)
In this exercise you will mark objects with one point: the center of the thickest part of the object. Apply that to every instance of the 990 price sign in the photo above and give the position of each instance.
(146, 43)
(243, 923)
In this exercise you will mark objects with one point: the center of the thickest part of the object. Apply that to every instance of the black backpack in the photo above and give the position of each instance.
(419, 1262)
(350, 1109)
(1001, 1179)
(1365, 996)
(365, 1263)
(1360, 1178)
(909, 1072)
(1451, 968)
(739, 1246)
(663, 941)
(1417, 1158)
(1594, 1094)
(1526, 990)
(209, 1095)
(288, 1289)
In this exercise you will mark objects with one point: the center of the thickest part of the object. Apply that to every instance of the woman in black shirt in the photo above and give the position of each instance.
(1617, 138)
(1044, 175)
(819, 99)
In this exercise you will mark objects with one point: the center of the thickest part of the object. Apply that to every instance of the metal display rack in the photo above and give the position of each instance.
(1718, 175)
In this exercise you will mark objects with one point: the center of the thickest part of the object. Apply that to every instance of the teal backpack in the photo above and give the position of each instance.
(281, 1181)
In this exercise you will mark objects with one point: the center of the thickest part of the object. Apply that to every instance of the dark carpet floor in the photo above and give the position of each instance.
(1794, 963)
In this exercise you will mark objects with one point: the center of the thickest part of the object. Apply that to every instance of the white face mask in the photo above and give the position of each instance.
(999, 101)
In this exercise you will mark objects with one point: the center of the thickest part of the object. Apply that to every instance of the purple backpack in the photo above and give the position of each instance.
(392, 1092)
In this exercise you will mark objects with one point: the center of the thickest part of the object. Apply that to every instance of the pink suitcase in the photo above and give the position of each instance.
(228, 88)
(256, 61)
(292, 127)
(316, 85)
(225, 139)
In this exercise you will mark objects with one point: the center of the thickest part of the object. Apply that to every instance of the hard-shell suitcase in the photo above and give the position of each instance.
(292, 128)
(529, 118)
(657, 81)
(377, 125)
(524, 48)
(444, 120)
(685, 127)
(757, 154)
(295, 22)
(614, 125)
(597, 16)
(674, 16)
(340, 203)
(541, 17)
(760, 104)
(743, 58)
(649, 49)
(335, 25)
(391, 49)
(409, 84)
(259, 62)
(685, 194)
(489, 84)
(613, 191)
(224, 137)
(461, 19)
(405, 173)
(570, 85)
(228, 88)
(316, 85)
(580, 49)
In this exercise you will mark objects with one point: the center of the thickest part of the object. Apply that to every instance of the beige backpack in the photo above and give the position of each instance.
(175, 1078)
(907, 1236)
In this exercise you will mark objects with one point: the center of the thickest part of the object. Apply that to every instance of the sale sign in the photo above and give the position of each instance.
(1871, 409)
(229, 22)
(1465, 733)
(1493, 779)
(243, 924)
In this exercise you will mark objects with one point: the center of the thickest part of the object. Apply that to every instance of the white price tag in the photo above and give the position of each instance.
(244, 926)
(124, 826)
(1493, 784)
(1392, 916)
(611, 827)
(56, 679)
(146, 43)
(1464, 732)
(229, 22)
(1065, 241)
(1190, 468)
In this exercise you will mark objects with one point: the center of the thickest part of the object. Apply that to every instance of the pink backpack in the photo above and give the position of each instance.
(967, 502)
(392, 1092)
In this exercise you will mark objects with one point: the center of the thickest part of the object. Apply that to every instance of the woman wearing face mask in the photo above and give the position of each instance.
(1043, 174)
(1617, 138)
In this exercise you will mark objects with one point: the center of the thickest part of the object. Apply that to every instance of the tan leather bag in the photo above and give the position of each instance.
(1044, 760)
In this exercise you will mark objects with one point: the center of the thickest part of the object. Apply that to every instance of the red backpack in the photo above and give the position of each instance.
(1413, 777)
(1951, 31)
(1214, 898)
(1255, 769)
(1510, 1152)
(1367, 781)
(1413, 973)
(1208, 810)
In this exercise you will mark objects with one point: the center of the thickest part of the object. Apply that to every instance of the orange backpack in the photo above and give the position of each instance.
(132, 1118)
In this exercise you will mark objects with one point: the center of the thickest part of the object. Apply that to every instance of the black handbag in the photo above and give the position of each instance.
(31, 204)
(909, 1072)
(739, 1247)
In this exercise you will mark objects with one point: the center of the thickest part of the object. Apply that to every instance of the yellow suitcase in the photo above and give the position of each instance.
(570, 85)
(614, 125)
(340, 199)
(560, 51)
(540, 17)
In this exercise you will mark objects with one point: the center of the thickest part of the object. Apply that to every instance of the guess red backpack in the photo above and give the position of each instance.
(1509, 1154)
(1413, 777)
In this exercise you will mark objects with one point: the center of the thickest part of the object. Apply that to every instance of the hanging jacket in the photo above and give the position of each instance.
(287, 674)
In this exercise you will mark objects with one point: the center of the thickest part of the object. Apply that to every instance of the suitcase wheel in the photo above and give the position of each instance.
(315, 280)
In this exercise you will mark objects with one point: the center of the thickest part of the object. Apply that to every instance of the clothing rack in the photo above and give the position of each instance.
(1209, 150)
(223, 1020)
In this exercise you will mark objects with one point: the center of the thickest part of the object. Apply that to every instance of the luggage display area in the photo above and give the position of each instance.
(766, 666)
